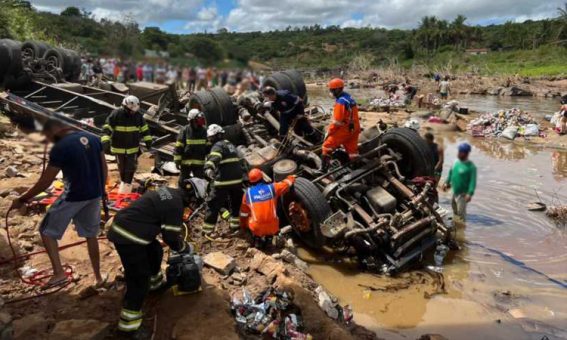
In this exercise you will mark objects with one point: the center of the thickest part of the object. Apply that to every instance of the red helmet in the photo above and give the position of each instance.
(336, 83)
(255, 175)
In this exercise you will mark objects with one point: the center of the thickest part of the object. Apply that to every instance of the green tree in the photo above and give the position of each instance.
(71, 12)
(207, 50)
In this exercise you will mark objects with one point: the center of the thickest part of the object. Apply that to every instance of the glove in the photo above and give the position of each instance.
(210, 173)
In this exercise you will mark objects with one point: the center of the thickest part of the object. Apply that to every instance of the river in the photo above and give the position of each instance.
(509, 280)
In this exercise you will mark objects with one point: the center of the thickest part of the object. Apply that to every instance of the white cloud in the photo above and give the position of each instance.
(263, 15)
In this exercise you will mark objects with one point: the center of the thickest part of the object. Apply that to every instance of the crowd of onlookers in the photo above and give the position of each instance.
(191, 78)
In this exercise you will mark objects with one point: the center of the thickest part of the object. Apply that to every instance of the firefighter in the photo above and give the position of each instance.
(192, 147)
(345, 126)
(259, 203)
(222, 167)
(134, 231)
(292, 111)
(123, 131)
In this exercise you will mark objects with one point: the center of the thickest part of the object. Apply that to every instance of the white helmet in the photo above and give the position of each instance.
(214, 130)
(132, 103)
(193, 113)
(412, 124)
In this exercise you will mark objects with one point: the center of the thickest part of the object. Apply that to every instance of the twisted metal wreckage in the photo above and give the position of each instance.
(381, 207)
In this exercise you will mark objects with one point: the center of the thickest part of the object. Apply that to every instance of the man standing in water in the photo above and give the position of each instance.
(462, 179)
(438, 155)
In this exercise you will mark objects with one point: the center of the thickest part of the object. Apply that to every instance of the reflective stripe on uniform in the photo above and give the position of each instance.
(214, 153)
(177, 157)
(156, 278)
(193, 162)
(144, 128)
(223, 183)
(105, 139)
(147, 138)
(337, 122)
(126, 234)
(127, 128)
(125, 151)
(196, 141)
(235, 222)
(244, 214)
(171, 227)
(230, 160)
(178, 144)
(208, 226)
(211, 164)
(129, 326)
(107, 126)
(130, 315)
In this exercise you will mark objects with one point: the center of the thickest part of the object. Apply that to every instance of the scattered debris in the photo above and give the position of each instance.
(558, 213)
(506, 123)
(536, 206)
(11, 171)
(332, 308)
(289, 257)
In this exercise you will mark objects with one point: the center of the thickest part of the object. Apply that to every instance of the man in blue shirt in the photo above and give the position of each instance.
(81, 158)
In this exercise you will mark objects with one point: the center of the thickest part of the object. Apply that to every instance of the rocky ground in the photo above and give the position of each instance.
(81, 312)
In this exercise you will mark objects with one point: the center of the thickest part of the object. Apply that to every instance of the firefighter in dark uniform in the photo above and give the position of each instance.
(291, 109)
(124, 129)
(134, 231)
(192, 147)
(222, 167)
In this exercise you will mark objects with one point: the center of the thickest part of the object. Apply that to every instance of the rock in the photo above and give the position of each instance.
(516, 91)
(26, 245)
(6, 328)
(31, 326)
(251, 252)
(238, 279)
(287, 256)
(494, 91)
(327, 304)
(220, 262)
(11, 171)
(80, 330)
(267, 266)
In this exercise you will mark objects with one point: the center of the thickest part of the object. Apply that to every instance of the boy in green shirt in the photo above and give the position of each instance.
(462, 178)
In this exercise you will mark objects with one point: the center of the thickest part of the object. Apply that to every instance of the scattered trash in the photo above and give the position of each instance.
(558, 213)
(11, 171)
(271, 314)
(439, 256)
(332, 308)
(508, 124)
(27, 271)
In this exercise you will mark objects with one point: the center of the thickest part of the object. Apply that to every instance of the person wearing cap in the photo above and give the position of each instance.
(123, 131)
(192, 147)
(292, 112)
(345, 125)
(223, 169)
(258, 211)
(462, 179)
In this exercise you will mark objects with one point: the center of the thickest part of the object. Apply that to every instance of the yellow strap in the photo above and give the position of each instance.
(196, 141)
(224, 183)
(193, 162)
(127, 129)
(125, 151)
(230, 160)
(126, 234)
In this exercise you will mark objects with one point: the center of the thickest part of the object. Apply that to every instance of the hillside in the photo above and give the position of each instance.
(531, 48)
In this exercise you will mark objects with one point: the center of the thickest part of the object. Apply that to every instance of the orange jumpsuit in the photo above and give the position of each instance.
(344, 128)
(258, 210)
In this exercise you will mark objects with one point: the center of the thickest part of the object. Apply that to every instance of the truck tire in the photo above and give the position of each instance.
(225, 106)
(233, 133)
(32, 50)
(10, 58)
(280, 81)
(417, 159)
(204, 101)
(298, 83)
(63, 62)
(305, 203)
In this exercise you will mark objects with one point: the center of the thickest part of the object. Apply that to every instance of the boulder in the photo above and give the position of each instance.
(79, 329)
(220, 262)
(494, 91)
(515, 91)
(267, 266)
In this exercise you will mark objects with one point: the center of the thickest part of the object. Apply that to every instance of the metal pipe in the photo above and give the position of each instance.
(308, 156)
(411, 241)
(412, 227)
(366, 230)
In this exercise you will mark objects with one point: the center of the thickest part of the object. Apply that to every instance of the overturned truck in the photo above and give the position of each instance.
(380, 207)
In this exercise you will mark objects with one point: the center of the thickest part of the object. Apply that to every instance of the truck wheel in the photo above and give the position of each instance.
(32, 50)
(10, 58)
(225, 105)
(204, 101)
(417, 159)
(298, 83)
(306, 208)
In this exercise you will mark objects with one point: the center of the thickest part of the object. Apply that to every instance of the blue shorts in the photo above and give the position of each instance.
(84, 214)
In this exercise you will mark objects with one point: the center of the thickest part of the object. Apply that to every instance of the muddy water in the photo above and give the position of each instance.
(509, 281)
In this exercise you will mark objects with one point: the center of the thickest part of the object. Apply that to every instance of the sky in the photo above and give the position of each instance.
(189, 16)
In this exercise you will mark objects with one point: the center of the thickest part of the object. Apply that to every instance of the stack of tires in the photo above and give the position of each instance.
(18, 60)
(217, 106)
(288, 80)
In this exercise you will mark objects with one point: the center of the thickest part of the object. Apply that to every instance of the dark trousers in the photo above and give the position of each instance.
(186, 171)
(140, 264)
(222, 197)
(127, 165)
(302, 128)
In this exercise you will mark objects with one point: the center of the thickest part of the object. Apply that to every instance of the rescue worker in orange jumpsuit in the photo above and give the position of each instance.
(345, 126)
(258, 211)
